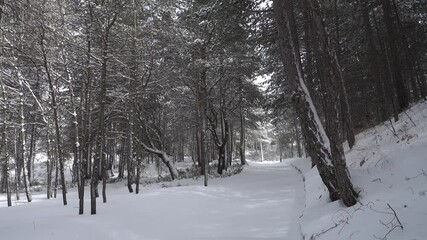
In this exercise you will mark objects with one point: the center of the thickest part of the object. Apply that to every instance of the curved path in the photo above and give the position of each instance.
(263, 202)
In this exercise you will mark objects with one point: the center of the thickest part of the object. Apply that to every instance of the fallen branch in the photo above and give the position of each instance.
(392, 225)
(410, 118)
(392, 128)
(395, 215)
(315, 236)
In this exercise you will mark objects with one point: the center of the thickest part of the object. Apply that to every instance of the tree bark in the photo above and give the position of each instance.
(313, 132)
(399, 85)
(130, 157)
(374, 65)
(52, 91)
(242, 147)
(337, 106)
(4, 154)
(23, 144)
(98, 158)
(202, 108)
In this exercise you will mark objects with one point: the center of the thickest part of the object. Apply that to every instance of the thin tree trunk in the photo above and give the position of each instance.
(49, 162)
(17, 164)
(139, 160)
(202, 109)
(101, 118)
(86, 148)
(242, 147)
(52, 91)
(5, 150)
(55, 190)
(5, 156)
(297, 138)
(389, 88)
(399, 85)
(138, 174)
(374, 65)
(104, 172)
(30, 164)
(23, 144)
(129, 158)
(410, 58)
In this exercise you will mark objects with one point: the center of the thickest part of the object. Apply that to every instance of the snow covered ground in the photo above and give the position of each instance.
(388, 166)
(256, 204)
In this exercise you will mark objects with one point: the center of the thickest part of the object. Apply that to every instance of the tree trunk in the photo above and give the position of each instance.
(165, 159)
(313, 132)
(130, 157)
(242, 148)
(30, 164)
(139, 160)
(336, 101)
(17, 165)
(49, 163)
(399, 84)
(138, 174)
(374, 65)
(297, 138)
(86, 138)
(4, 153)
(104, 169)
(201, 109)
(389, 88)
(98, 158)
(52, 91)
(410, 58)
(23, 144)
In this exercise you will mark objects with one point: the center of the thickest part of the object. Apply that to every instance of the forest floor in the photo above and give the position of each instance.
(262, 202)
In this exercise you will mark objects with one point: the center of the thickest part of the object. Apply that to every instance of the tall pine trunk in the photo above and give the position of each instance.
(313, 132)
(337, 107)
(398, 82)
(374, 65)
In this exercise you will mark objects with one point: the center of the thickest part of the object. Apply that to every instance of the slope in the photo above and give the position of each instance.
(388, 165)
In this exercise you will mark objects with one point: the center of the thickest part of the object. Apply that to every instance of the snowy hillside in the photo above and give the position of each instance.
(388, 166)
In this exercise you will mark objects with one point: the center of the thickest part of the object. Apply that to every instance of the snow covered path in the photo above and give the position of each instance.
(259, 203)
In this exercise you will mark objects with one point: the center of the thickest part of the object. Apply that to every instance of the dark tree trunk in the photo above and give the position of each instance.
(374, 66)
(98, 158)
(313, 132)
(129, 155)
(58, 139)
(399, 84)
(336, 101)
(30, 164)
(4, 151)
(202, 108)
(242, 148)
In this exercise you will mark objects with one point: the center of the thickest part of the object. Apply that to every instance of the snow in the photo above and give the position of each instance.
(268, 200)
(390, 172)
(255, 204)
